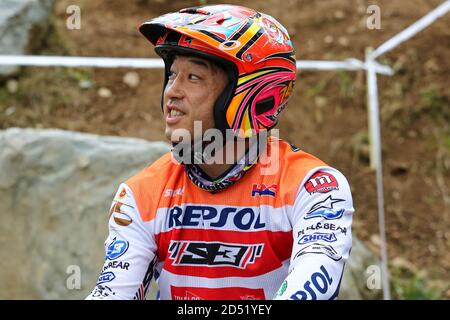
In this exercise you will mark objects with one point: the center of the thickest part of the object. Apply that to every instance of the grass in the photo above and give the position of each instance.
(361, 147)
(435, 104)
(407, 285)
(346, 88)
(53, 43)
(316, 89)
(42, 92)
(415, 288)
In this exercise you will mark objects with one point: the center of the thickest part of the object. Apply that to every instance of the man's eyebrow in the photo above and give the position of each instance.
(199, 62)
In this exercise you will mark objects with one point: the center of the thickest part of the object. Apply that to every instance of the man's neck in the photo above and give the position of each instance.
(230, 155)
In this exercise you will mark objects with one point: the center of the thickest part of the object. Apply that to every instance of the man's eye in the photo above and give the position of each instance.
(194, 77)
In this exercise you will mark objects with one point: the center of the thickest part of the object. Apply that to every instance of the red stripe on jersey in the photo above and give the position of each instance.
(182, 249)
(219, 253)
(249, 252)
(232, 293)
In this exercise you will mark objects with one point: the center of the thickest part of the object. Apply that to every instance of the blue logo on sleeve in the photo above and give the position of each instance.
(326, 213)
(106, 277)
(116, 249)
(317, 236)
(325, 209)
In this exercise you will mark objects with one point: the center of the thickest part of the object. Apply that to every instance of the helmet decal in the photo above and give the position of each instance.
(242, 113)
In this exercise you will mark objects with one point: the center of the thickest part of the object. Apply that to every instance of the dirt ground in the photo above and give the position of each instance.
(327, 116)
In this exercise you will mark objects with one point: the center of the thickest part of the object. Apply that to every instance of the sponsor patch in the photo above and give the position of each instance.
(208, 216)
(317, 236)
(123, 218)
(231, 293)
(319, 282)
(282, 289)
(328, 214)
(173, 192)
(214, 254)
(106, 277)
(318, 248)
(122, 193)
(117, 265)
(263, 190)
(323, 226)
(321, 182)
(325, 209)
(101, 291)
(116, 249)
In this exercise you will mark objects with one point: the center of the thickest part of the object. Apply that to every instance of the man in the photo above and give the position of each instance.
(252, 218)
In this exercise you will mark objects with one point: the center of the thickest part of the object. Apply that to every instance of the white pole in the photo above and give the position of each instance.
(99, 62)
(375, 134)
(412, 30)
(108, 62)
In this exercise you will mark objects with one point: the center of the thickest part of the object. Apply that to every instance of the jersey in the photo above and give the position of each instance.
(273, 234)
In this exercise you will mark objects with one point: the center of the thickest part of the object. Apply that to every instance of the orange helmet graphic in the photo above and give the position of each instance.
(254, 48)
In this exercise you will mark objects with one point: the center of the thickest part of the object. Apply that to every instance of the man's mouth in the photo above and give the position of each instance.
(175, 113)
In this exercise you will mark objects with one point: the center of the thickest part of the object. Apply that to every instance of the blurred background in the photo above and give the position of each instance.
(327, 117)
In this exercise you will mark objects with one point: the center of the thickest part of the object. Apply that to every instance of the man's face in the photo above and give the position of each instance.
(193, 87)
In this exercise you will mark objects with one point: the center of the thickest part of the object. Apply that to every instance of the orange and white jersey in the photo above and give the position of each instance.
(285, 234)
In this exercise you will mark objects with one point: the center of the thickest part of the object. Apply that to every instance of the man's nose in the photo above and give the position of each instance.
(174, 89)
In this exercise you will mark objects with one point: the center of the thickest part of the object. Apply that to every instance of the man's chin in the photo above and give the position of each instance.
(178, 135)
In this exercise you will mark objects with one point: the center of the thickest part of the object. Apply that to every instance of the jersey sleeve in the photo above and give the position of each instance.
(130, 252)
(321, 218)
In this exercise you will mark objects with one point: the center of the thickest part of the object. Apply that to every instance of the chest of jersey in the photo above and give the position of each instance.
(225, 233)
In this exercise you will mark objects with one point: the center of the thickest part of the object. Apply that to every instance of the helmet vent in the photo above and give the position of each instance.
(264, 105)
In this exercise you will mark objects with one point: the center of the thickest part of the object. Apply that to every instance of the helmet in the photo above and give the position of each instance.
(253, 47)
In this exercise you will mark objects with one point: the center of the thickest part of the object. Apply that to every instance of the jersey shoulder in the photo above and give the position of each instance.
(294, 163)
(149, 184)
(296, 158)
(157, 170)
(288, 166)
(314, 171)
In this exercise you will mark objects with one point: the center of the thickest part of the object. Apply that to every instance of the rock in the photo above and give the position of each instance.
(343, 41)
(85, 84)
(339, 14)
(22, 24)
(401, 263)
(104, 93)
(328, 39)
(320, 101)
(131, 79)
(360, 269)
(375, 240)
(351, 29)
(10, 111)
(432, 66)
(56, 188)
(12, 85)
